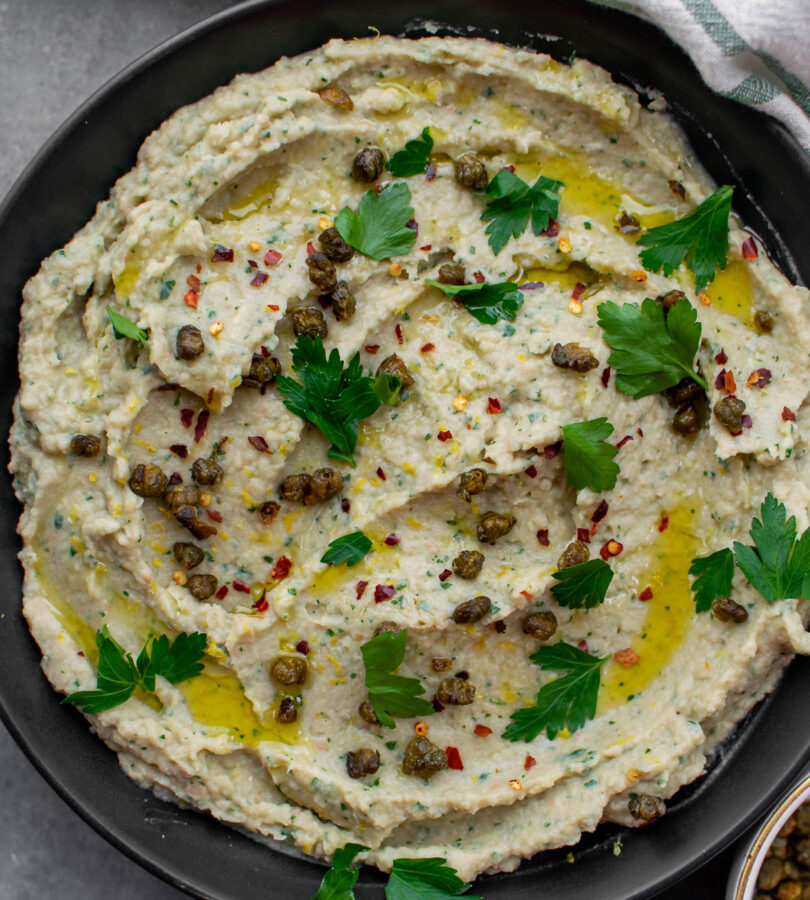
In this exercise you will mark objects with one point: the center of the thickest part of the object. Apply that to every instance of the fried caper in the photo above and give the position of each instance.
(669, 300)
(189, 343)
(263, 369)
(296, 488)
(147, 480)
(764, 321)
(572, 356)
(187, 516)
(366, 711)
(540, 625)
(628, 224)
(456, 692)
(729, 412)
(85, 445)
(322, 272)
(336, 96)
(363, 761)
(287, 711)
(468, 564)
(575, 553)
(387, 625)
(333, 246)
(493, 525)
(646, 807)
(188, 555)
(177, 495)
(202, 586)
(206, 471)
(326, 483)
(393, 365)
(343, 302)
(368, 164)
(724, 609)
(451, 273)
(471, 482)
(268, 512)
(423, 758)
(471, 173)
(289, 669)
(471, 610)
(685, 390)
(309, 321)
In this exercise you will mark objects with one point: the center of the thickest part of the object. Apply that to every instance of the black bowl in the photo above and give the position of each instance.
(56, 195)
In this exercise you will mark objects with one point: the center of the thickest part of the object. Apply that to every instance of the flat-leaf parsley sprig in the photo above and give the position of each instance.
(119, 674)
(391, 695)
(350, 548)
(124, 328)
(413, 159)
(425, 879)
(588, 457)
(651, 351)
(332, 398)
(566, 702)
(339, 881)
(378, 228)
(701, 238)
(583, 586)
(713, 575)
(486, 302)
(510, 203)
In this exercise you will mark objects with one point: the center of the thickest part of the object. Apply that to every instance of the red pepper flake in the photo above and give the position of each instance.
(430, 171)
(282, 568)
(627, 657)
(479, 277)
(551, 450)
(265, 352)
(749, 249)
(380, 473)
(453, 758)
(582, 645)
(259, 279)
(499, 626)
(345, 504)
(360, 588)
(579, 290)
(253, 264)
(444, 435)
(412, 224)
(494, 406)
(529, 763)
(510, 168)
(242, 586)
(527, 595)
(222, 593)
(437, 704)
(426, 348)
(392, 540)
(261, 605)
(663, 524)
(759, 378)
(372, 348)
(179, 450)
(384, 592)
(272, 257)
(611, 548)
(193, 282)
(553, 229)
(646, 595)
(302, 647)
(310, 248)
(175, 478)
(273, 306)
(259, 443)
(444, 574)
(584, 535)
(746, 421)
(210, 397)
(377, 188)
(199, 268)
(788, 415)
(605, 377)
(202, 424)
(730, 385)
(222, 254)
(542, 537)
(186, 417)
(623, 441)
(482, 731)
(325, 302)
(531, 471)
(191, 299)
(720, 358)
(398, 333)
(214, 514)
(600, 512)
(426, 247)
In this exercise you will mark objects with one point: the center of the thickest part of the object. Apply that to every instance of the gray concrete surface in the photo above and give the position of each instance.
(53, 55)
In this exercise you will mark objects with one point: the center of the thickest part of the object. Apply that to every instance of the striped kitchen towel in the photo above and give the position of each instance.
(755, 51)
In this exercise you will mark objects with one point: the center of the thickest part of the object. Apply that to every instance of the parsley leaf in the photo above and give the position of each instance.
(587, 456)
(119, 674)
(713, 575)
(425, 879)
(583, 586)
(650, 353)
(701, 238)
(391, 695)
(123, 328)
(779, 565)
(332, 398)
(566, 702)
(387, 388)
(414, 158)
(350, 548)
(378, 227)
(338, 882)
(486, 302)
(510, 203)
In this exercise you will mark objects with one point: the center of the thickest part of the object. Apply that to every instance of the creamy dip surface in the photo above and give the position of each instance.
(212, 228)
